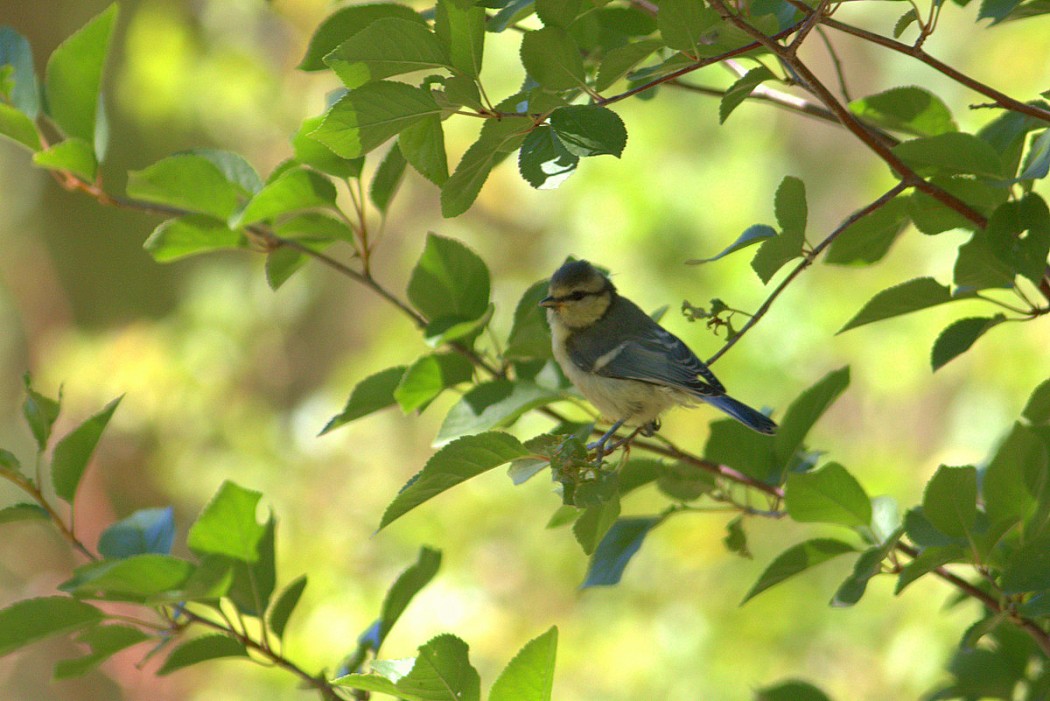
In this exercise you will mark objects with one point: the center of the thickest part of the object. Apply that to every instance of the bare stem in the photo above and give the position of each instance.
(885, 198)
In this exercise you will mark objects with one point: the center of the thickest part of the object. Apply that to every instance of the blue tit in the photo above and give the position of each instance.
(621, 360)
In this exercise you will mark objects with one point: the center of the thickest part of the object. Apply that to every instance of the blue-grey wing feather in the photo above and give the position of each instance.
(661, 358)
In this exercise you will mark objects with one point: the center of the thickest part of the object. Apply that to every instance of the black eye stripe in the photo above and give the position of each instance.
(576, 296)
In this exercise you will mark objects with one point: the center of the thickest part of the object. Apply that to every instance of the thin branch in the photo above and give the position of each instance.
(806, 262)
(319, 683)
(32, 490)
(813, 84)
(701, 63)
(918, 53)
(837, 63)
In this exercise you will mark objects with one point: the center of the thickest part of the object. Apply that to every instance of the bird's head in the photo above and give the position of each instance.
(579, 295)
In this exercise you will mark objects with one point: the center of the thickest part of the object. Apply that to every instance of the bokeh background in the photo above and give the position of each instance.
(225, 379)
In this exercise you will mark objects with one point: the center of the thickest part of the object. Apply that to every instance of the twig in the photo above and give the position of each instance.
(821, 92)
(918, 53)
(805, 263)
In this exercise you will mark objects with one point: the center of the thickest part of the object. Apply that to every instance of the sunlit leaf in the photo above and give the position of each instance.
(208, 647)
(386, 47)
(457, 462)
(829, 494)
(798, 559)
(370, 395)
(530, 675)
(950, 500)
(344, 23)
(228, 526)
(73, 452)
(910, 109)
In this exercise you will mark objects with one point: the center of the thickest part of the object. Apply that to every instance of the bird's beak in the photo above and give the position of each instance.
(550, 303)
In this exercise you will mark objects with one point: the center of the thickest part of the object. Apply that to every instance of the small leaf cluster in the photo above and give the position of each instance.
(227, 589)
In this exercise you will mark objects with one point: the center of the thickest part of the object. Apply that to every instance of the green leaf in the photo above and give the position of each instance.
(932, 217)
(253, 583)
(684, 482)
(188, 181)
(616, 549)
(617, 62)
(903, 22)
(456, 328)
(1018, 235)
(790, 206)
(24, 94)
(73, 154)
(829, 494)
(450, 280)
(732, 444)
(423, 146)
(493, 404)
(105, 641)
(806, 410)
(1010, 483)
(909, 109)
(74, 76)
(293, 190)
(957, 338)
(386, 47)
(530, 336)
(905, 298)
(950, 500)
(589, 130)
(593, 524)
(460, 26)
(442, 672)
(997, 10)
(430, 376)
(191, 235)
(544, 161)
(30, 620)
(1037, 410)
(1028, 568)
(791, 691)
(977, 267)
(797, 559)
(776, 251)
(457, 462)
(735, 538)
(552, 58)
(344, 23)
(530, 675)
(950, 153)
(369, 115)
(282, 263)
(682, 24)
(868, 239)
(311, 152)
(1037, 162)
(752, 235)
(145, 531)
(227, 525)
(499, 138)
(557, 13)
(741, 90)
(400, 595)
(75, 449)
(285, 604)
(23, 511)
(867, 566)
(208, 647)
(387, 179)
(373, 393)
(137, 578)
(17, 126)
(40, 413)
(929, 559)
(374, 682)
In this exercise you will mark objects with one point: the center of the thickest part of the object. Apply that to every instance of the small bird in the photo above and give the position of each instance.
(625, 363)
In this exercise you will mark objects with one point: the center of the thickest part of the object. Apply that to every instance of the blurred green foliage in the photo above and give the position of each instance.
(226, 380)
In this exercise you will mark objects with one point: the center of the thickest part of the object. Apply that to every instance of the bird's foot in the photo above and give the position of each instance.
(601, 445)
(649, 429)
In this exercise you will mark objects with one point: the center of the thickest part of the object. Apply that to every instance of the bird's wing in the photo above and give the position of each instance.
(658, 357)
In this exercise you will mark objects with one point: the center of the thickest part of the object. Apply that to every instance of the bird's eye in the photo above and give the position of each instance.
(577, 295)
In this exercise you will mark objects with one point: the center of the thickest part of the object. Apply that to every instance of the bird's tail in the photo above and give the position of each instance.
(742, 413)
